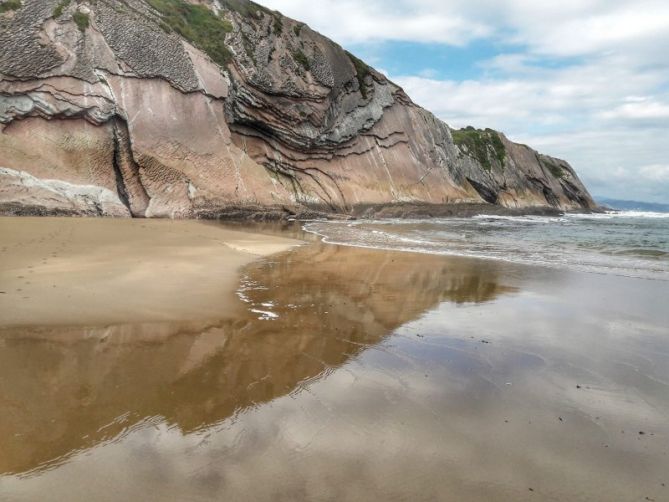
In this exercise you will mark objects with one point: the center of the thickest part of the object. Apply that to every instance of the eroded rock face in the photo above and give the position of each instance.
(167, 116)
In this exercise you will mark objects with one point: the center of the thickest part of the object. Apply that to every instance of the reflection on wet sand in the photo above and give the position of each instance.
(67, 389)
(353, 374)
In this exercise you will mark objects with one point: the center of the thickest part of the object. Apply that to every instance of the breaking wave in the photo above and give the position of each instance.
(629, 243)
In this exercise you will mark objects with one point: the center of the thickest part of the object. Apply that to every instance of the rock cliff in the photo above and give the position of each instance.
(174, 108)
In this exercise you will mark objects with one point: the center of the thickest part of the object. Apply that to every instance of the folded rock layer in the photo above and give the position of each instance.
(169, 108)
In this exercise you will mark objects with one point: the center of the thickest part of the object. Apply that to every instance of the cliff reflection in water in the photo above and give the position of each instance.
(67, 389)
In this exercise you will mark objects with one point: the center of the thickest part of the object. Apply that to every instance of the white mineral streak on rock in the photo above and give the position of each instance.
(293, 120)
(19, 187)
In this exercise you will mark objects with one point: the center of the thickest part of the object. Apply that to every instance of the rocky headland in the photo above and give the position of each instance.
(223, 108)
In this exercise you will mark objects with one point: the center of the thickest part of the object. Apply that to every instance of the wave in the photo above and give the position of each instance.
(518, 219)
(634, 249)
(639, 252)
(571, 216)
(620, 214)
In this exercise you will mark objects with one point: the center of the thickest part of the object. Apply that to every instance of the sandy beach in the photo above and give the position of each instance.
(100, 271)
(320, 372)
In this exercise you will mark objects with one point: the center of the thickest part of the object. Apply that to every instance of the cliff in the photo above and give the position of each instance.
(167, 108)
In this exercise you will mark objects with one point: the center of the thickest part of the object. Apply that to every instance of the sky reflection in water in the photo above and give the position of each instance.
(385, 376)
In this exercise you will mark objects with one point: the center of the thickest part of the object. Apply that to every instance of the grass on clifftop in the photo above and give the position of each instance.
(198, 25)
(10, 5)
(480, 144)
(244, 8)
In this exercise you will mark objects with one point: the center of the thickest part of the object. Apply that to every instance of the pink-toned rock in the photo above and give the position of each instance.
(274, 116)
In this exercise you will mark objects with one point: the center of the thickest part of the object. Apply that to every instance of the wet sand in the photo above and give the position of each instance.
(95, 271)
(352, 374)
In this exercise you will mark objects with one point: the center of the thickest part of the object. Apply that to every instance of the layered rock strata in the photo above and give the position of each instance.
(167, 108)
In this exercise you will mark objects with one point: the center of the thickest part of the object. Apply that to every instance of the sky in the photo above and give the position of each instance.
(583, 80)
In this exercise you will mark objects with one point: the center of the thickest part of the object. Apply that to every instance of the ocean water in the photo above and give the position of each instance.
(336, 373)
(632, 243)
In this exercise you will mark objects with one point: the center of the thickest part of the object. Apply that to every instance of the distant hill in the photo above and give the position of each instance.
(633, 205)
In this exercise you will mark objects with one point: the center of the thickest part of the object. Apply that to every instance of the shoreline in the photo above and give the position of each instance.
(442, 360)
(251, 213)
(484, 258)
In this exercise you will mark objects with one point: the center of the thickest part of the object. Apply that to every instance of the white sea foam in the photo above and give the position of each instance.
(619, 214)
(622, 244)
(519, 219)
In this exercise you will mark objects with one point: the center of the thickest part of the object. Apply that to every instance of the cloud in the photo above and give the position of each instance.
(523, 97)
(569, 27)
(651, 182)
(586, 80)
(635, 109)
(351, 21)
(656, 172)
(610, 121)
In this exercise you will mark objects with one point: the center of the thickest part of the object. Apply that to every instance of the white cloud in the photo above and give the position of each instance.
(520, 100)
(639, 110)
(568, 27)
(349, 21)
(598, 115)
(614, 162)
(587, 80)
(656, 172)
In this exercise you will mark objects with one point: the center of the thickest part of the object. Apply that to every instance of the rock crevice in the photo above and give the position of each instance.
(248, 108)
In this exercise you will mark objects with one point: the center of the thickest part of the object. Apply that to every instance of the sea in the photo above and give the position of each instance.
(625, 243)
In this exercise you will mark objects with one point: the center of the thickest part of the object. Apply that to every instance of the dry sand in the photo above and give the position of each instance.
(96, 271)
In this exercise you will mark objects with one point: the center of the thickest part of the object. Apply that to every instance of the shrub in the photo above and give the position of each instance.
(198, 25)
(245, 8)
(480, 145)
(10, 5)
(82, 20)
(62, 5)
(301, 58)
(362, 70)
(553, 167)
(278, 24)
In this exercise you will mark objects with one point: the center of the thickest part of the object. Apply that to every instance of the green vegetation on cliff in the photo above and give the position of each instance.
(82, 20)
(278, 25)
(362, 71)
(10, 5)
(480, 145)
(58, 10)
(244, 8)
(198, 25)
(301, 58)
(553, 167)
